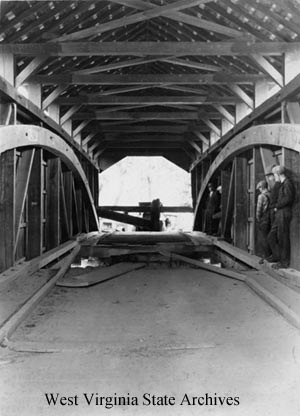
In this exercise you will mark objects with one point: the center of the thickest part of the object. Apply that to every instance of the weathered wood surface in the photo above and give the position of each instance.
(286, 135)
(20, 314)
(131, 208)
(128, 219)
(29, 267)
(230, 48)
(285, 300)
(228, 273)
(8, 92)
(100, 274)
(286, 93)
(28, 135)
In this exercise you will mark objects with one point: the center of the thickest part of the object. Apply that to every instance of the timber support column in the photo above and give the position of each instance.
(7, 208)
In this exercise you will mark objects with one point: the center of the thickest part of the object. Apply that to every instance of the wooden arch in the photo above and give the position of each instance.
(16, 136)
(284, 135)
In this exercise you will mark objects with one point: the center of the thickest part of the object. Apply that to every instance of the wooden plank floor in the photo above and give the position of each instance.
(158, 331)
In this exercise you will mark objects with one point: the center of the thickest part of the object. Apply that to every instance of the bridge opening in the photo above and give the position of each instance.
(129, 187)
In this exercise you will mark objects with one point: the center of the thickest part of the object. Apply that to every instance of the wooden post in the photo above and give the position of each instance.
(228, 206)
(68, 186)
(240, 203)
(78, 195)
(7, 67)
(194, 185)
(291, 160)
(64, 217)
(7, 208)
(35, 201)
(53, 203)
(225, 181)
(259, 175)
(23, 172)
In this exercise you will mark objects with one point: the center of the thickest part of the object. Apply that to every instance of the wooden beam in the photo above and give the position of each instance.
(127, 219)
(186, 90)
(144, 129)
(191, 64)
(80, 127)
(53, 231)
(290, 90)
(155, 144)
(23, 174)
(214, 269)
(118, 115)
(69, 114)
(116, 65)
(25, 309)
(191, 20)
(8, 113)
(86, 140)
(8, 92)
(148, 79)
(242, 95)
(68, 189)
(284, 135)
(35, 207)
(240, 203)
(64, 214)
(201, 136)
(268, 68)
(226, 48)
(195, 146)
(93, 146)
(205, 24)
(128, 20)
(122, 90)
(212, 126)
(228, 116)
(99, 152)
(29, 70)
(142, 138)
(148, 100)
(130, 208)
(7, 208)
(228, 208)
(53, 96)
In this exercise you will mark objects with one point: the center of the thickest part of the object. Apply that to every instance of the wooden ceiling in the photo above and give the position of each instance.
(148, 77)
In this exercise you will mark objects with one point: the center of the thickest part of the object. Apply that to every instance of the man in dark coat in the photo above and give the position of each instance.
(212, 207)
(263, 218)
(279, 236)
(273, 185)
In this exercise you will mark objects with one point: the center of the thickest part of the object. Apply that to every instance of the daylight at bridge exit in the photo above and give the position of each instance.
(149, 207)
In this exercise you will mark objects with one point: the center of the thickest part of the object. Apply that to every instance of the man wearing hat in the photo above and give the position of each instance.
(279, 236)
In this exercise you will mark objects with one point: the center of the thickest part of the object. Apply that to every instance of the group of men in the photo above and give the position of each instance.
(273, 216)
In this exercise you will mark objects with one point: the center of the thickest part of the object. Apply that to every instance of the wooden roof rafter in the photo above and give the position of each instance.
(127, 20)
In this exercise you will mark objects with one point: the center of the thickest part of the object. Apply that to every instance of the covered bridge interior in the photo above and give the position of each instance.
(211, 85)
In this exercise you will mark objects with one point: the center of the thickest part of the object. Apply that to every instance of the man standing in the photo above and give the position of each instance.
(274, 185)
(263, 218)
(212, 206)
(279, 236)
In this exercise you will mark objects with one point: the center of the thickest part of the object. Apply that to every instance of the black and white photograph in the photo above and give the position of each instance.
(149, 207)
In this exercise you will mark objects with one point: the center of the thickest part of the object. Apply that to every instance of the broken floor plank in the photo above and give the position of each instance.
(20, 314)
(99, 275)
(29, 267)
(214, 269)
